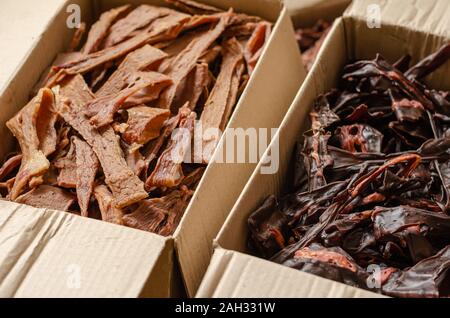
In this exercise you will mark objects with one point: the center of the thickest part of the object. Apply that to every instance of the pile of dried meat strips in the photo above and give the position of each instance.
(369, 205)
(310, 40)
(99, 137)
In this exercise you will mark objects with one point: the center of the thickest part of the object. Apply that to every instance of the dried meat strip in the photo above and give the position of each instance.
(134, 158)
(106, 205)
(48, 197)
(222, 99)
(99, 29)
(45, 127)
(102, 110)
(168, 171)
(193, 86)
(255, 45)
(183, 64)
(126, 187)
(87, 167)
(24, 128)
(144, 124)
(137, 60)
(194, 7)
(137, 19)
(153, 148)
(165, 30)
(75, 43)
(160, 215)
(67, 166)
(9, 165)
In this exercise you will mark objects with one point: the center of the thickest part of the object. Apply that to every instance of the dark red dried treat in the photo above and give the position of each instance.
(371, 185)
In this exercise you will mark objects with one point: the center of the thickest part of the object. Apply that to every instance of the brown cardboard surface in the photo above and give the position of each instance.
(46, 253)
(21, 17)
(236, 275)
(350, 38)
(430, 16)
(280, 62)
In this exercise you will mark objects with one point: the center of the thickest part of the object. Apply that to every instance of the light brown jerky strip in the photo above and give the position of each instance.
(135, 61)
(159, 215)
(102, 110)
(193, 178)
(194, 7)
(124, 184)
(211, 55)
(8, 184)
(45, 128)
(99, 29)
(23, 127)
(105, 201)
(176, 212)
(137, 19)
(75, 43)
(223, 96)
(134, 158)
(164, 30)
(192, 87)
(144, 124)
(200, 20)
(87, 167)
(48, 197)
(183, 64)
(168, 171)
(9, 165)
(152, 149)
(67, 166)
(240, 30)
(255, 44)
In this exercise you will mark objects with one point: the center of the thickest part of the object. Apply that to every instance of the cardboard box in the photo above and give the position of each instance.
(234, 274)
(116, 261)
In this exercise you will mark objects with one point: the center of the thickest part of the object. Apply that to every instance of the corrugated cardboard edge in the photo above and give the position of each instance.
(281, 63)
(235, 275)
(429, 16)
(46, 253)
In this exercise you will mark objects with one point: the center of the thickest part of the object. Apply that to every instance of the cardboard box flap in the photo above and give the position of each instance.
(306, 12)
(46, 253)
(429, 16)
(233, 274)
(279, 72)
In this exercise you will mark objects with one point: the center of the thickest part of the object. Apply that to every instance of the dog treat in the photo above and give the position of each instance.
(109, 130)
(310, 41)
(371, 184)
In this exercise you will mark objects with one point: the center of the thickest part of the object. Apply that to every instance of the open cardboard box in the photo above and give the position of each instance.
(232, 273)
(51, 253)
